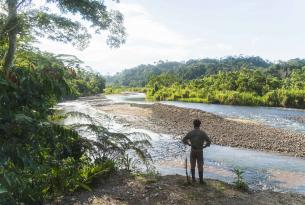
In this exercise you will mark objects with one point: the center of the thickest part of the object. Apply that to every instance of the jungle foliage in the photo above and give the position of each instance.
(40, 158)
(237, 80)
(243, 87)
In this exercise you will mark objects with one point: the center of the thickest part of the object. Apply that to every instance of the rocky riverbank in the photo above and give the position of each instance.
(228, 132)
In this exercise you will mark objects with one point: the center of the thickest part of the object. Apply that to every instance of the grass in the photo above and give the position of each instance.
(149, 177)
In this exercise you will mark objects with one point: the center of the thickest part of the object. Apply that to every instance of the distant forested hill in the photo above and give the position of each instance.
(192, 69)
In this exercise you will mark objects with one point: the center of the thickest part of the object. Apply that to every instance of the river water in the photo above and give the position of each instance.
(262, 170)
(276, 117)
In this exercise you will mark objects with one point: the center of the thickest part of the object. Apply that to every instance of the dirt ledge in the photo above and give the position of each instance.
(141, 189)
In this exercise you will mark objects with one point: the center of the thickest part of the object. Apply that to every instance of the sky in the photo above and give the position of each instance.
(179, 30)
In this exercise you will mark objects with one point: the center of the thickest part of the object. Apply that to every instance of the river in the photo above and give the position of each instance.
(273, 116)
(262, 170)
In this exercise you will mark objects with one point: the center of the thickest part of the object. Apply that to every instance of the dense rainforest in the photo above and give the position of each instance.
(140, 75)
(40, 158)
(232, 80)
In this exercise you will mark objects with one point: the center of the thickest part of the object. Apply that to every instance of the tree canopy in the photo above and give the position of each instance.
(21, 21)
(191, 69)
(242, 87)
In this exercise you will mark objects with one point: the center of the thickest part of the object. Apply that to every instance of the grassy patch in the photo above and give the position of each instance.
(147, 177)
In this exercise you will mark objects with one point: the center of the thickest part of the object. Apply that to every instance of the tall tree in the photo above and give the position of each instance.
(22, 19)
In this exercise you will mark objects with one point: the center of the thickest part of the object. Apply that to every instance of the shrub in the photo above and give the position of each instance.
(239, 181)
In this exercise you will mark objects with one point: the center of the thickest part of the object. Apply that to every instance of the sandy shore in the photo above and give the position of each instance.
(228, 132)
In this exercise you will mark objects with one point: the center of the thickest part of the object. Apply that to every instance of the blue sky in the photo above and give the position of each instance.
(181, 30)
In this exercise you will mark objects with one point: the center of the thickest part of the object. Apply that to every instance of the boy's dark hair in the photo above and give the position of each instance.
(196, 123)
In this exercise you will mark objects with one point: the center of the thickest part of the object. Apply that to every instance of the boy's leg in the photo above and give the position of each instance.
(193, 164)
(200, 163)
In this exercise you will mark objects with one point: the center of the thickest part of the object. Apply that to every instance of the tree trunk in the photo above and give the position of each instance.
(12, 34)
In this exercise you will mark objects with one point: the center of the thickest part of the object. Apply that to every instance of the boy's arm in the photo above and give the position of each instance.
(208, 141)
(186, 139)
